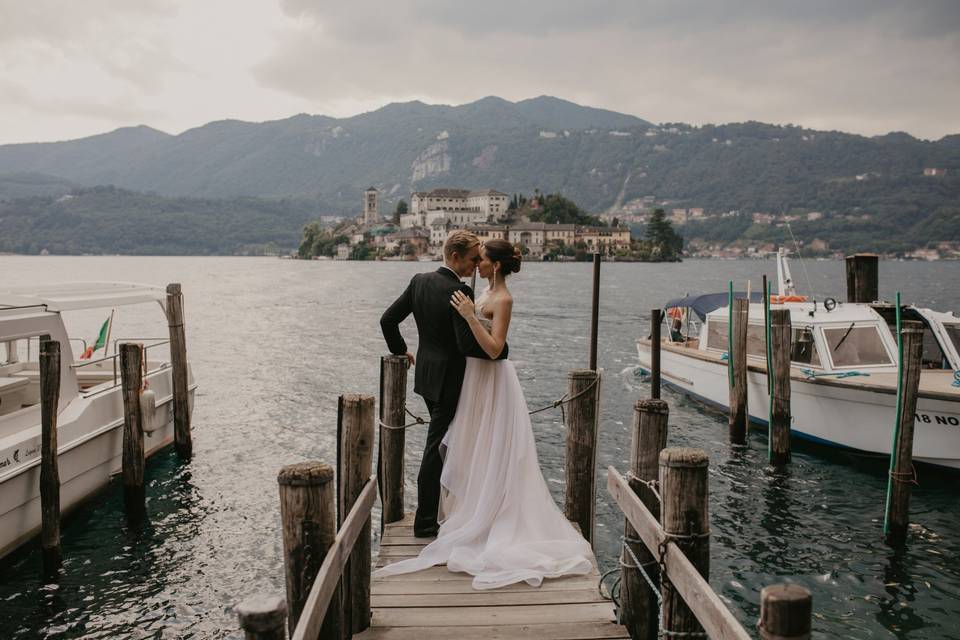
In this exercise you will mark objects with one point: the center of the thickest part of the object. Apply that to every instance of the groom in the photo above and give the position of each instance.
(445, 342)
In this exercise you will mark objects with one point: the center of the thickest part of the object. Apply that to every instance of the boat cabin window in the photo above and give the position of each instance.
(932, 356)
(953, 331)
(756, 341)
(803, 349)
(8, 352)
(717, 334)
(854, 346)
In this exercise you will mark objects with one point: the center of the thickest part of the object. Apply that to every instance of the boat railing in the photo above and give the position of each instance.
(30, 340)
(115, 357)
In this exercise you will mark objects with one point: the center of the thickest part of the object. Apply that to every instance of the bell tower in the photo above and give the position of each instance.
(371, 206)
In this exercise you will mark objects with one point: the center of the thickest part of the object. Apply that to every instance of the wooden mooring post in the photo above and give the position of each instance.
(49, 466)
(655, 322)
(393, 404)
(685, 521)
(131, 376)
(308, 519)
(262, 617)
(640, 612)
(681, 544)
(737, 353)
(780, 341)
(863, 271)
(786, 612)
(355, 426)
(897, 517)
(183, 441)
(595, 312)
(583, 389)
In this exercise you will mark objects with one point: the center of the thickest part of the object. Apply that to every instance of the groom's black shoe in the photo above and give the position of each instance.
(429, 532)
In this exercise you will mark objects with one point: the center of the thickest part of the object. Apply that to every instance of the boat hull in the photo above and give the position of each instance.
(90, 450)
(837, 415)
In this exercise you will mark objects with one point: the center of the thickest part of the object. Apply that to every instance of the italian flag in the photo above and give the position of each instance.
(101, 339)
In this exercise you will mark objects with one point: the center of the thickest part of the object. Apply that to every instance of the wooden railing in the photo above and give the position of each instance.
(713, 615)
(665, 560)
(331, 571)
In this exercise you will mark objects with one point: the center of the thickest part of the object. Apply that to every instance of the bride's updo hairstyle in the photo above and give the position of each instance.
(506, 254)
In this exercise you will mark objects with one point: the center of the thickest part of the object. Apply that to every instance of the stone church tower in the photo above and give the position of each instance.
(371, 206)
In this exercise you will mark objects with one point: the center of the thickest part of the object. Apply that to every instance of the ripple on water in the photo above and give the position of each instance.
(273, 343)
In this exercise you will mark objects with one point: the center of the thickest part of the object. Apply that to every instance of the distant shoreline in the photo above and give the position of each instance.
(291, 257)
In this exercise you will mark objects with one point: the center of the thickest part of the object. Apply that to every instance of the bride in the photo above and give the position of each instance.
(499, 522)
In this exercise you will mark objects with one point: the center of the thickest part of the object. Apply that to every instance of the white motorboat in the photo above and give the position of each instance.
(843, 368)
(90, 412)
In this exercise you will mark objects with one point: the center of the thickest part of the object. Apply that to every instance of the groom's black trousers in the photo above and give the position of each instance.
(428, 480)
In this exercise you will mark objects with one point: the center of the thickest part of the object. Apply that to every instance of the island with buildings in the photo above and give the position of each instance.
(544, 227)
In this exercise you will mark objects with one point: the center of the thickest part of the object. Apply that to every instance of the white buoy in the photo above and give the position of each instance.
(148, 407)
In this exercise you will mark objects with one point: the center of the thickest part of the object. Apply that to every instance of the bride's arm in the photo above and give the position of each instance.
(492, 341)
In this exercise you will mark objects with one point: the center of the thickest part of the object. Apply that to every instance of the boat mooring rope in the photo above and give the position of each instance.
(625, 542)
(563, 400)
(811, 374)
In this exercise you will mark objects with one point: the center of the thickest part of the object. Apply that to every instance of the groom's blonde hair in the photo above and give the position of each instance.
(460, 241)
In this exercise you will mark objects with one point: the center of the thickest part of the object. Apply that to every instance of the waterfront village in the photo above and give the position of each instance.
(552, 228)
(417, 231)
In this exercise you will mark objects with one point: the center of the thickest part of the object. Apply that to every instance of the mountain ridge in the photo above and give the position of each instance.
(603, 160)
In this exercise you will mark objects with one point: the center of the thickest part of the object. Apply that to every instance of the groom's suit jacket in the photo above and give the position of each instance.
(445, 337)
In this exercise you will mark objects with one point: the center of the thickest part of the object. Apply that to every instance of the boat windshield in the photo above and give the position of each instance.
(803, 350)
(953, 330)
(855, 346)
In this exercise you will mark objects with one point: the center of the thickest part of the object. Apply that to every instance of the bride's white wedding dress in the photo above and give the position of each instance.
(499, 522)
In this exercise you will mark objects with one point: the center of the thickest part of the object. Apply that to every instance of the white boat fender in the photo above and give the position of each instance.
(148, 409)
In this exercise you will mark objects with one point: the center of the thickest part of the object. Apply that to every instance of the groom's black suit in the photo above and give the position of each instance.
(445, 342)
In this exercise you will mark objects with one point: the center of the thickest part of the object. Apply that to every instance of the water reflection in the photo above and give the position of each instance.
(777, 519)
(275, 342)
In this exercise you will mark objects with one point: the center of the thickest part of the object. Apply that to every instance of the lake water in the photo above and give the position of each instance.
(274, 342)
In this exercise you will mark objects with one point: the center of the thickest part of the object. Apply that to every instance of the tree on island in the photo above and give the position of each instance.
(318, 241)
(554, 208)
(401, 210)
(664, 243)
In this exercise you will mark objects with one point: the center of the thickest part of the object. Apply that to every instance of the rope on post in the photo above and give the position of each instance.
(564, 400)
(624, 540)
(652, 485)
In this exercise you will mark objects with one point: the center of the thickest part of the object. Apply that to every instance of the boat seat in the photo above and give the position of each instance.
(11, 393)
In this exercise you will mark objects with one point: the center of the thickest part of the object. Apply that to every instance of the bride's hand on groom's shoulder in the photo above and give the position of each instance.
(463, 304)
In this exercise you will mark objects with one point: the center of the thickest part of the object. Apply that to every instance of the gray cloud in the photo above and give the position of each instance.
(533, 17)
(862, 65)
(867, 66)
(56, 22)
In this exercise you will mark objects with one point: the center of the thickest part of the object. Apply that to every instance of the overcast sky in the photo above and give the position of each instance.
(71, 69)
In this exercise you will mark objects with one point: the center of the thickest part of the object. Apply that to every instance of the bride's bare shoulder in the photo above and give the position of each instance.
(503, 301)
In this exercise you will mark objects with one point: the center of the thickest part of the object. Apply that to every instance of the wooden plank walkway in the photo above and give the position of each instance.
(436, 603)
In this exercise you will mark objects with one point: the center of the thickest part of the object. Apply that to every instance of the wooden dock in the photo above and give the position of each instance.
(331, 594)
(436, 603)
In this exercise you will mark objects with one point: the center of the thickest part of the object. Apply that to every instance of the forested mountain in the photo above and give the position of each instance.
(600, 159)
(110, 220)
